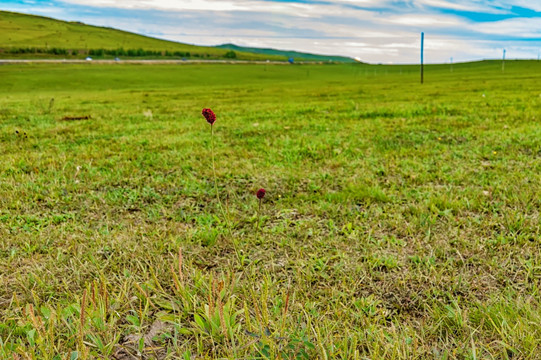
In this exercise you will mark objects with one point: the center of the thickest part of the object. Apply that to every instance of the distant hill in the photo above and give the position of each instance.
(31, 36)
(287, 54)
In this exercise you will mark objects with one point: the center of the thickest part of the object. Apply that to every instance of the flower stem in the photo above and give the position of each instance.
(224, 213)
(259, 217)
(214, 166)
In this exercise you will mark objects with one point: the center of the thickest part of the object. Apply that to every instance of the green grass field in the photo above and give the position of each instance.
(401, 221)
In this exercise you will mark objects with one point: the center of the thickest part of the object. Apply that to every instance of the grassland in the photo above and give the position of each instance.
(33, 33)
(288, 54)
(401, 220)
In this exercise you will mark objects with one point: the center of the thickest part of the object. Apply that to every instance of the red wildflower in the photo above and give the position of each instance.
(209, 115)
(260, 193)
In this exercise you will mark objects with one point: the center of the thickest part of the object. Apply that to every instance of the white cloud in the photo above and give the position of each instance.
(528, 4)
(287, 8)
(489, 7)
(518, 27)
(214, 5)
(424, 20)
(355, 44)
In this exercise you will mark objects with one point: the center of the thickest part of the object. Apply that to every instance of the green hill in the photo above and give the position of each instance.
(287, 54)
(30, 36)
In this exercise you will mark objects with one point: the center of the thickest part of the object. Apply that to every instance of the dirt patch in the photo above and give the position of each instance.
(129, 348)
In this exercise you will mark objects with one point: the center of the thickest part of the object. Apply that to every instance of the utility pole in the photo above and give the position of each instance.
(503, 61)
(422, 56)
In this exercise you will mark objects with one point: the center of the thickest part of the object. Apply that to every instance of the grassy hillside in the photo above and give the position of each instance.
(401, 221)
(288, 54)
(28, 31)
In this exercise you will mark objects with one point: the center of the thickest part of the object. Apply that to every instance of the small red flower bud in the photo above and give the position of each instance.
(209, 115)
(260, 194)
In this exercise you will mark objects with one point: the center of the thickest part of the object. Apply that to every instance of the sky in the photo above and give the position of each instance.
(375, 31)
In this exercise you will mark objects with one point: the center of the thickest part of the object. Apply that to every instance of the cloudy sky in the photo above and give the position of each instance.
(377, 31)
